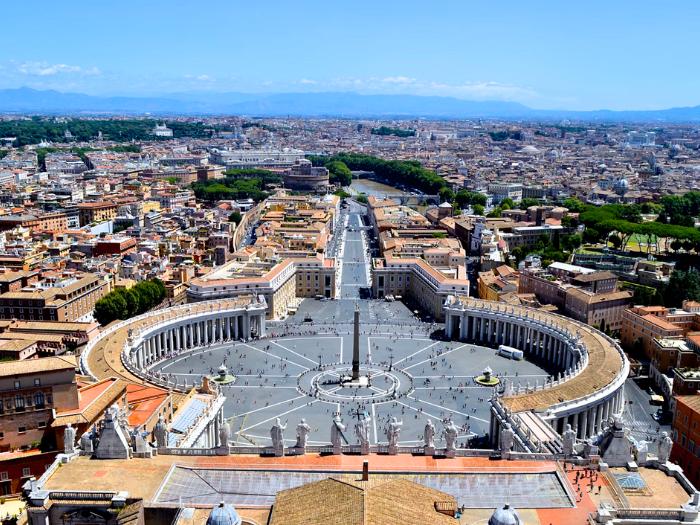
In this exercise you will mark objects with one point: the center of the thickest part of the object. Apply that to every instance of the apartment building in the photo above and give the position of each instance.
(38, 399)
(583, 294)
(418, 281)
(641, 325)
(69, 298)
(30, 392)
(602, 310)
(54, 221)
(275, 280)
(250, 158)
(92, 212)
(501, 191)
(686, 436)
(494, 284)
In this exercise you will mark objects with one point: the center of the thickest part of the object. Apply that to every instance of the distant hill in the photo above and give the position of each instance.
(331, 104)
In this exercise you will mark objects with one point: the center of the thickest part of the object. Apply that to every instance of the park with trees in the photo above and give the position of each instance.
(237, 184)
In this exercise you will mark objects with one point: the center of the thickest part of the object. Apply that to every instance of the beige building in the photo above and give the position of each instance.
(30, 393)
(641, 325)
(61, 299)
(602, 310)
(418, 281)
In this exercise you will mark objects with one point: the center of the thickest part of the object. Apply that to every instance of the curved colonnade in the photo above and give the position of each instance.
(129, 349)
(589, 368)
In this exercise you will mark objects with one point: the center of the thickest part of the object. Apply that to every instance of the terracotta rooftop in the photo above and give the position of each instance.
(38, 366)
(94, 399)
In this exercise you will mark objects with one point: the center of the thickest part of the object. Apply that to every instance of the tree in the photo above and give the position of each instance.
(569, 221)
(446, 195)
(235, 217)
(616, 241)
(109, 308)
(122, 304)
(339, 173)
(682, 285)
(478, 209)
(574, 205)
(134, 302)
(398, 132)
(507, 204)
(571, 242)
(528, 201)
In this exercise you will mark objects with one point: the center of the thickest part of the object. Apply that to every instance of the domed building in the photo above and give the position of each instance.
(505, 516)
(224, 514)
(529, 150)
(621, 186)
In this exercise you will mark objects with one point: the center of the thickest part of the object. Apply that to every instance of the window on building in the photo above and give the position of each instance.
(26, 471)
(39, 399)
(19, 402)
(41, 424)
(17, 385)
(37, 382)
(22, 430)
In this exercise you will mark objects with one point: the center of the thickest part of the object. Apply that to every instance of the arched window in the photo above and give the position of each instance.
(19, 402)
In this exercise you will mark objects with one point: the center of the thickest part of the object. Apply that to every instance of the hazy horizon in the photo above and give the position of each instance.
(602, 55)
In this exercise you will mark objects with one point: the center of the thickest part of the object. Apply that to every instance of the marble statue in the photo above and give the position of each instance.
(568, 440)
(160, 432)
(450, 435)
(665, 444)
(507, 438)
(429, 434)
(303, 430)
(69, 439)
(86, 444)
(393, 431)
(224, 434)
(642, 452)
(337, 429)
(362, 431)
(277, 435)
(141, 448)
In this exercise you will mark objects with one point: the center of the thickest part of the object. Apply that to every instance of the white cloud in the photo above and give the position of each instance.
(400, 84)
(44, 69)
(398, 80)
(482, 90)
(308, 82)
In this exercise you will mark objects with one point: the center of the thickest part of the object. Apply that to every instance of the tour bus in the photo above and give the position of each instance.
(510, 352)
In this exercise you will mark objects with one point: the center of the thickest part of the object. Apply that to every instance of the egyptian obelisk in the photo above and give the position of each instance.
(356, 346)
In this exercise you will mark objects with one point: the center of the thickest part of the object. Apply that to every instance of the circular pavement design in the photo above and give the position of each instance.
(411, 376)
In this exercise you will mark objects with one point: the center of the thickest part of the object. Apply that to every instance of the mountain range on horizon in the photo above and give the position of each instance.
(314, 104)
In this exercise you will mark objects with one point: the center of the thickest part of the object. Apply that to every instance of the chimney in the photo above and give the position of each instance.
(365, 470)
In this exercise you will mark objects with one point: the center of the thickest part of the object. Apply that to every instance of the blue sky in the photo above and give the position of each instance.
(615, 54)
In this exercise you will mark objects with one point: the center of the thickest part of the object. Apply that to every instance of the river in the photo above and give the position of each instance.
(371, 187)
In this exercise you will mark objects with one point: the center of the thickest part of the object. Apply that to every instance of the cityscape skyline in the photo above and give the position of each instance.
(603, 56)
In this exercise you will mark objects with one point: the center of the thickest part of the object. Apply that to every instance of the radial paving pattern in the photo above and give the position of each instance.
(411, 376)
